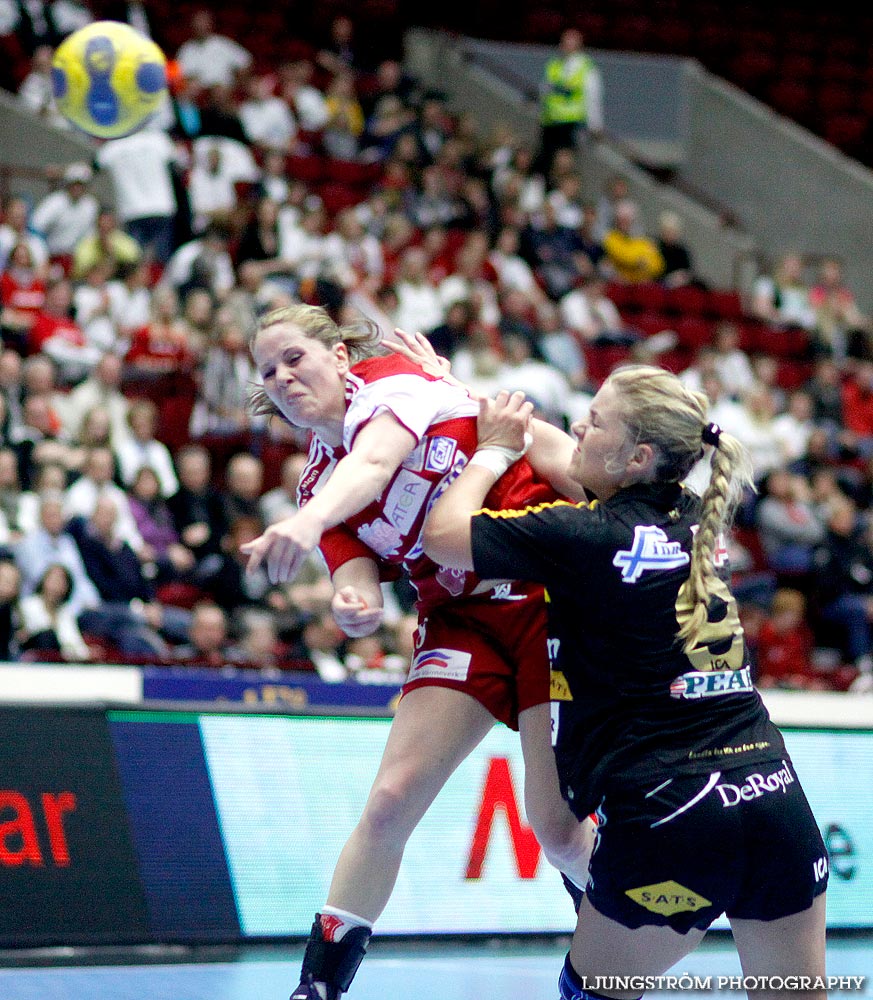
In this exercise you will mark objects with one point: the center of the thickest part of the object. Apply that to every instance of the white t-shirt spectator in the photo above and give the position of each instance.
(139, 165)
(134, 455)
(310, 108)
(419, 307)
(269, 123)
(180, 267)
(9, 239)
(213, 61)
(63, 222)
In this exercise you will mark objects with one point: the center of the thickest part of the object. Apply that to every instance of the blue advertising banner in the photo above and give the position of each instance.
(290, 690)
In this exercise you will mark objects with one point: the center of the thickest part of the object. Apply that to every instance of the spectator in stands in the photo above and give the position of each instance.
(36, 91)
(794, 427)
(38, 438)
(48, 625)
(50, 543)
(109, 560)
(788, 524)
(543, 385)
(106, 245)
(154, 521)
(141, 168)
(141, 448)
(244, 484)
(782, 298)
(731, 361)
(223, 382)
(389, 120)
(785, 644)
(552, 251)
(390, 79)
(560, 347)
(678, 264)
(57, 335)
(10, 592)
(101, 388)
(858, 401)
(208, 638)
(210, 58)
(69, 215)
(14, 230)
(341, 135)
(572, 98)
(259, 645)
(211, 191)
(131, 296)
(418, 301)
(843, 584)
(281, 501)
(457, 329)
(306, 101)
(95, 431)
(223, 575)
(95, 484)
(198, 513)
(841, 328)
(825, 388)
(592, 315)
(566, 199)
(323, 641)
(10, 499)
(95, 310)
(615, 190)
(266, 119)
(512, 270)
(203, 262)
(630, 255)
(337, 54)
(10, 385)
(22, 297)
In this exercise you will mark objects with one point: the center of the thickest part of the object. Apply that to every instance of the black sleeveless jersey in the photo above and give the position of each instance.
(631, 704)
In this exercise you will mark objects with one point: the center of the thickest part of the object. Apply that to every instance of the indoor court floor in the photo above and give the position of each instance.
(501, 970)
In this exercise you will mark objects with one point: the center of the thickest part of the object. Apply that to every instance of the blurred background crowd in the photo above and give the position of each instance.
(316, 168)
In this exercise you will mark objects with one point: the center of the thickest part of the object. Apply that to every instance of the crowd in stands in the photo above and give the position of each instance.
(131, 471)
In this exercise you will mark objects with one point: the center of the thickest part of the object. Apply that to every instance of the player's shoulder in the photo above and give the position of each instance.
(386, 365)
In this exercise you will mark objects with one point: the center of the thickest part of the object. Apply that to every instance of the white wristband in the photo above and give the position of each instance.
(498, 459)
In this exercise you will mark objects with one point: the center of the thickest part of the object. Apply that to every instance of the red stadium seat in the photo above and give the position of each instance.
(686, 301)
(693, 331)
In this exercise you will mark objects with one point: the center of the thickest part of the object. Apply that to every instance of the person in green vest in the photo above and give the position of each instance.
(571, 95)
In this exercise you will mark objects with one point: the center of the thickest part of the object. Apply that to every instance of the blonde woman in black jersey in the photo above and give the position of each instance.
(657, 724)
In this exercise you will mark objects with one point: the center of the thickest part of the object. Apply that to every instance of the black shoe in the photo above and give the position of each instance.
(307, 991)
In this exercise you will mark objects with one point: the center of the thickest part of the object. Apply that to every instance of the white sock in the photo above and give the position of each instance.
(336, 923)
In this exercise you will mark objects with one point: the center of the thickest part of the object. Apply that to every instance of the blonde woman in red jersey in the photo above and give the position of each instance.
(387, 438)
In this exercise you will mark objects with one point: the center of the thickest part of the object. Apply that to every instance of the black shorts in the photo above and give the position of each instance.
(742, 842)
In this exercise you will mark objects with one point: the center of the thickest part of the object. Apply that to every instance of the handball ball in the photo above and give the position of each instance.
(108, 78)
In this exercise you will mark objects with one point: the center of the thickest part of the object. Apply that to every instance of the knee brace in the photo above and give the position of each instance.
(335, 962)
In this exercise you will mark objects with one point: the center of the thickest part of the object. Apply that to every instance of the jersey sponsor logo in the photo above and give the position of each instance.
(652, 550)
(559, 689)
(452, 580)
(754, 786)
(668, 898)
(415, 459)
(405, 499)
(711, 683)
(820, 868)
(503, 592)
(440, 454)
(383, 538)
(446, 664)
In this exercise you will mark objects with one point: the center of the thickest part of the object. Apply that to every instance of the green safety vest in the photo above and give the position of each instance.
(564, 108)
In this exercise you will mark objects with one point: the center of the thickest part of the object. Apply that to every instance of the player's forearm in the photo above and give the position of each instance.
(447, 531)
(356, 481)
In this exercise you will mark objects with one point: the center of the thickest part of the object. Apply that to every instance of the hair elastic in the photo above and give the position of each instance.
(710, 434)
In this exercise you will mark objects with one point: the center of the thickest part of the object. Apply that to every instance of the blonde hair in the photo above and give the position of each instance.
(659, 410)
(361, 340)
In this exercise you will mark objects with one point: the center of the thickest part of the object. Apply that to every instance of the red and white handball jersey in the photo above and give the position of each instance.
(442, 419)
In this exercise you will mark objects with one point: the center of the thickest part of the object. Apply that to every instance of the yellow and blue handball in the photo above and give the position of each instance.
(108, 78)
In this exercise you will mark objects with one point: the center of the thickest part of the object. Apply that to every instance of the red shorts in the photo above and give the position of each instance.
(492, 647)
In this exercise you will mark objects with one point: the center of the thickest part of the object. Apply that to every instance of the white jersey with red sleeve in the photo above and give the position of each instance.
(442, 419)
